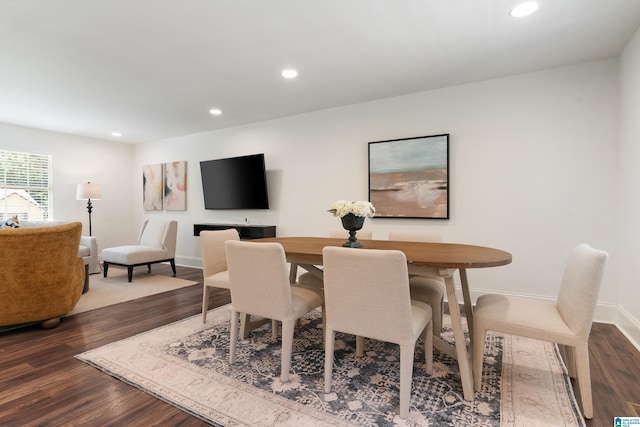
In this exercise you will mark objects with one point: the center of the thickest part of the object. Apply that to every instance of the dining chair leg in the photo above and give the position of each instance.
(287, 345)
(478, 356)
(428, 348)
(359, 346)
(584, 378)
(234, 336)
(329, 338)
(205, 303)
(406, 374)
(569, 357)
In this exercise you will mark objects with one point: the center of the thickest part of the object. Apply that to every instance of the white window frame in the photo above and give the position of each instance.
(32, 183)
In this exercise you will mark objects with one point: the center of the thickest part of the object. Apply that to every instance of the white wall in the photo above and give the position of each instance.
(629, 182)
(535, 166)
(533, 170)
(78, 159)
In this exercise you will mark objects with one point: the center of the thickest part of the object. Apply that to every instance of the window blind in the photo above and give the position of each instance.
(25, 185)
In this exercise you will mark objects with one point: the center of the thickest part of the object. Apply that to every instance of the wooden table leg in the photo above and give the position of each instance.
(464, 357)
(468, 306)
(293, 273)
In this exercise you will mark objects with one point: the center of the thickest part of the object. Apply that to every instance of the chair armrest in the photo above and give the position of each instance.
(90, 242)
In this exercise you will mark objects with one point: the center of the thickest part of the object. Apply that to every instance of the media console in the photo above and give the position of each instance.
(246, 232)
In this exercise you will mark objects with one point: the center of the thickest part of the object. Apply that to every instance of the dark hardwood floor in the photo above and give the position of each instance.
(43, 384)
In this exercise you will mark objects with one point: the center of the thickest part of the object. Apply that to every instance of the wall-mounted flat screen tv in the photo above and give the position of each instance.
(235, 183)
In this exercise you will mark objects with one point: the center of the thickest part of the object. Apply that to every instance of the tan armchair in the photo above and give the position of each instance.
(156, 243)
(41, 274)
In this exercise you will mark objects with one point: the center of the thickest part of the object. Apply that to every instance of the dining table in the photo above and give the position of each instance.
(423, 258)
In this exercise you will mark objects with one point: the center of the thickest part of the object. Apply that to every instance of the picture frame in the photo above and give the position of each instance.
(409, 177)
(175, 186)
(152, 187)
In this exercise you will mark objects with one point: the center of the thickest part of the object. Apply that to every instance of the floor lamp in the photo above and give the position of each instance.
(88, 192)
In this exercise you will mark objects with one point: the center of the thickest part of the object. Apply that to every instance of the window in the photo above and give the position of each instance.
(25, 185)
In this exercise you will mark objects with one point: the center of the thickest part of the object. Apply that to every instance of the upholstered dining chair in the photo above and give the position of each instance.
(308, 279)
(367, 294)
(214, 262)
(425, 288)
(156, 243)
(566, 321)
(260, 286)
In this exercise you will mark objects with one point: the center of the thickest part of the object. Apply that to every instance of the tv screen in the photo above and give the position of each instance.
(235, 183)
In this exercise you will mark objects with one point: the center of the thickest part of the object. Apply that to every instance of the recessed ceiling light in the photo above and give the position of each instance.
(215, 111)
(289, 73)
(524, 9)
(116, 134)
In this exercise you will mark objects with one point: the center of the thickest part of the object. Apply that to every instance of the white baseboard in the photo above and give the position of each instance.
(187, 261)
(629, 326)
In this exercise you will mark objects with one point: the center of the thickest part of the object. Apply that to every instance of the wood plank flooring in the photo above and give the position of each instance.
(42, 384)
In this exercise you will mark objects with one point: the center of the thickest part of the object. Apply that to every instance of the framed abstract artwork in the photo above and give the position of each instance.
(152, 187)
(409, 177)
(175, 186)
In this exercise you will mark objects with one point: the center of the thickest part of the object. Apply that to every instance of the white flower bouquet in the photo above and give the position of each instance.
(362, 208)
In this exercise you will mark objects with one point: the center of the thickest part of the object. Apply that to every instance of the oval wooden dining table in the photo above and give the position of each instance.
(443, 259)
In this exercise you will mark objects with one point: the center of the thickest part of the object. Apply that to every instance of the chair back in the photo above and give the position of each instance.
(41, 275)
(159, 234)
(259, 279)
(212, 249)
(412, 236)
(580, 287)
(367, 293)
(340, 234)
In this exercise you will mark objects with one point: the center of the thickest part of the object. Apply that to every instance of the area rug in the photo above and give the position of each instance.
(114, 289)
(186, 364)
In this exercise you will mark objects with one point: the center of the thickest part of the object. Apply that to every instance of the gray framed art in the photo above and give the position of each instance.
(409, 177)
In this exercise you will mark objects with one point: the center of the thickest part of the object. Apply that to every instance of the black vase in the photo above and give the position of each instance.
(352, 223)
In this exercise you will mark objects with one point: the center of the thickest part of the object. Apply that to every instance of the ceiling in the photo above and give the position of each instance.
(152, 69)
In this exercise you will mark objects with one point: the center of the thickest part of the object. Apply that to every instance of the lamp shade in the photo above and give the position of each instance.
(88, 191)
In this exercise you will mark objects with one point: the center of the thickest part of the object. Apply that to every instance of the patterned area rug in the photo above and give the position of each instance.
(186, 364)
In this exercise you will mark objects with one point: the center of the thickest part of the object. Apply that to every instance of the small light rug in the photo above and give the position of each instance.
(114, 289)
(186, 364)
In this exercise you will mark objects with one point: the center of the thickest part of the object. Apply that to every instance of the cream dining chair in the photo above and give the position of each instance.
(367, 294)
(214, 262)
(566, 321)
(308, 279)
(425, 288)
(260, 286)
(214, 269)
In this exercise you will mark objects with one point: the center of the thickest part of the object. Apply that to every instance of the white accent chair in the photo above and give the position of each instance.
(260, 286)
(566, 321)
(156, 243)
(308, 279)
(367, 294)
(425, 288)
(88, 250)
(214, 262)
